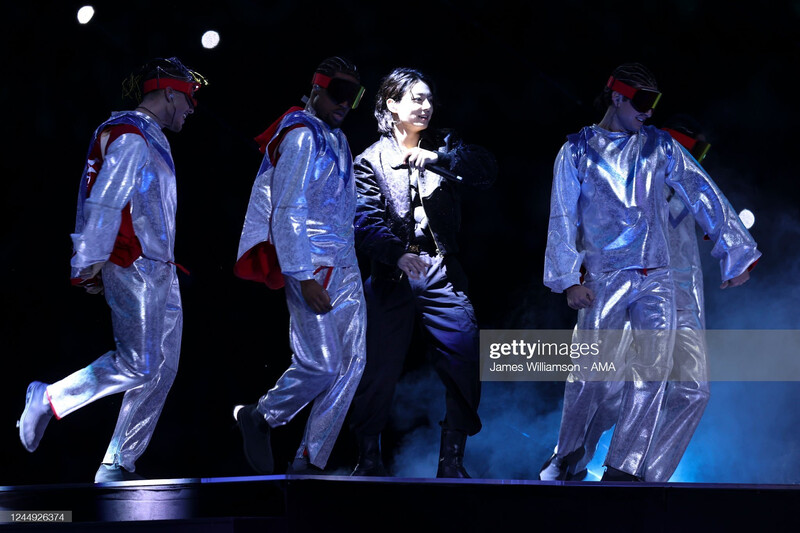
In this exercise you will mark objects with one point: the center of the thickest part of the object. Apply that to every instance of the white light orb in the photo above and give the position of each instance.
(210, 39)
(748, 218)
(85, 14)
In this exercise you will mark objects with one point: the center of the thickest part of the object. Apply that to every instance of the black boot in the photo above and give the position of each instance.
(255, 434)
(451, 454)
(301, 466)
(612, 474)
(369, 457)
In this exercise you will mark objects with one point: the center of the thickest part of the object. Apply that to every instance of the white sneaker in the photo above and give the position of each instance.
(554, 469)
(35, 416)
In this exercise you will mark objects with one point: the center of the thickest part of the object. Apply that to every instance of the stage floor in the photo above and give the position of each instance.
(332, 503)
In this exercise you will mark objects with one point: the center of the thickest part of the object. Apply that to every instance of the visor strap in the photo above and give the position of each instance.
(186, 87)
(321, 79)
(621, 87)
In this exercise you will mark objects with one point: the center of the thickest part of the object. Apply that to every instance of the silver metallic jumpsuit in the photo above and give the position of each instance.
(687, 391)
(144, 298)
(305, 206)
(609, 213)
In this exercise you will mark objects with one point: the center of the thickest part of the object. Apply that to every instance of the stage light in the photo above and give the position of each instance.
(85, 14)
(748, 218)
(210, 39)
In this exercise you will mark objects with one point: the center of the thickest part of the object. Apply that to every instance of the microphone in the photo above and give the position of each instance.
(443, 172)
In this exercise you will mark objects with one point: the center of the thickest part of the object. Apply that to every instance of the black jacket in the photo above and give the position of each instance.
(384, 222)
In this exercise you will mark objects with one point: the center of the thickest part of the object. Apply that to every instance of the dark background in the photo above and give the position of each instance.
(515, 78)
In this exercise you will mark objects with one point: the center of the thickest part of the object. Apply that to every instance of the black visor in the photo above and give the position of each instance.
(341, 90)
(644, 100)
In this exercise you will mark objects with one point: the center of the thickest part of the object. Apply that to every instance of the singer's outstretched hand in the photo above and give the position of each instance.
(417, 158)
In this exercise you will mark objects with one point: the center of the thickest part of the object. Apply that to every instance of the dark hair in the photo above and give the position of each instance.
(335, 64)
(394, 86)
(157, 68)
(634, 74)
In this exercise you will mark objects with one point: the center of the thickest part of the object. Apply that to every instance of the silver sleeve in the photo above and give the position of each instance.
(733, 244)
(102, 211)
(294, 171)
(562, 259)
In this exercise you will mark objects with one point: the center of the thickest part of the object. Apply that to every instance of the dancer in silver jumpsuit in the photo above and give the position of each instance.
(687, 391)
(123, 246)
(301, 212)
(609, 216)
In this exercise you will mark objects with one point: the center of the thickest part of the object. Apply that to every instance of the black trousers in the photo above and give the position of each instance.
(440, 303)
